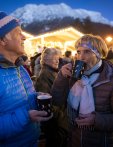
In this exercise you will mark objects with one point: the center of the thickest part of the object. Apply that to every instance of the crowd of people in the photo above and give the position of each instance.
(82, 109)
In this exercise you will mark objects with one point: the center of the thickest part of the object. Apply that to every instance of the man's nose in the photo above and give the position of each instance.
(23, 37)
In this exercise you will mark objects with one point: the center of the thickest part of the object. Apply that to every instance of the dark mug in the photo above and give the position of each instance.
(45, 103)
(78, 69)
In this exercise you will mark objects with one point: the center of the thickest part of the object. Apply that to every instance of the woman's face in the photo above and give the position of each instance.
(87, 56)
(53, 61)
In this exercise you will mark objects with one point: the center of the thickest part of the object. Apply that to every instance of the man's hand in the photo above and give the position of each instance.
(38, 116)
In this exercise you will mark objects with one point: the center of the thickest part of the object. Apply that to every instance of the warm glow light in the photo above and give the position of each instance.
(27, 35)
(109, 39)
(74, 52)
(57, 32)
(63, 39)
(28, 48)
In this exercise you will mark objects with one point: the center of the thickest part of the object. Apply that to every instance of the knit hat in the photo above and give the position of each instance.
(7, 23)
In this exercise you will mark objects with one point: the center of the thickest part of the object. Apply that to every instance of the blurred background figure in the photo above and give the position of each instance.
(26, 65)
(37, 66)
(110, 54)
(23, 60)
(66, 59)
(32, 60)
(49, 67)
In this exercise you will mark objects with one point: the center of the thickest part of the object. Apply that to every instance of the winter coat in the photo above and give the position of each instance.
(55, 131)
(17, 97)
(45, 79)
(102, 133)
(37, 66)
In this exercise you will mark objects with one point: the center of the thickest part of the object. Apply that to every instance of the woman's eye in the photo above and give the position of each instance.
(78, 52)
(87, 51)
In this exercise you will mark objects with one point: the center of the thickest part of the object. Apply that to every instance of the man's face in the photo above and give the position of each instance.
(14, 42)
(87, 56)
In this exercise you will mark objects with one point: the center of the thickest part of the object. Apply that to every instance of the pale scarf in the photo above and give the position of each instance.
(81, 94)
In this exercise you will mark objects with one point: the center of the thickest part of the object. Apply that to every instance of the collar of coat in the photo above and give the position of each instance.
(106, 73)
(5, 63)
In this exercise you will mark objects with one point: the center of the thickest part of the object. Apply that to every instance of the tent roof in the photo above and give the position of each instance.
(65, 34)
(62, 36)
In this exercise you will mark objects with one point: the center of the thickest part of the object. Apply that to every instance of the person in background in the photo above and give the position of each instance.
(110, 55)
(19, 116)
(49, 67)
(32, 61)
(54, 132)
(37, 66)
(23, 60)
(66, 59)
(90, 99)
(26, 65)
(67, 56)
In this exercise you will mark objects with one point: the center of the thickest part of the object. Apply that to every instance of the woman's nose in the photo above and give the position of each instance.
(81, 56)
(57, 61)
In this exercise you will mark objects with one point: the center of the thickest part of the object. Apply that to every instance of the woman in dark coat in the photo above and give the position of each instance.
(53, 129)
(90, 99)
(49, 69)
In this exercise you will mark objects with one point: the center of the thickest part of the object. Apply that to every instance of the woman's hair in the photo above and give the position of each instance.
(95, 41)
(48, 53)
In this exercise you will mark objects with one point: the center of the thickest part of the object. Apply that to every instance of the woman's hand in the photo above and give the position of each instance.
(66, 70)
(85, 119)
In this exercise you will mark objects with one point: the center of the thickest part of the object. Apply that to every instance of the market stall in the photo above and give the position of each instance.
(64, 39)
